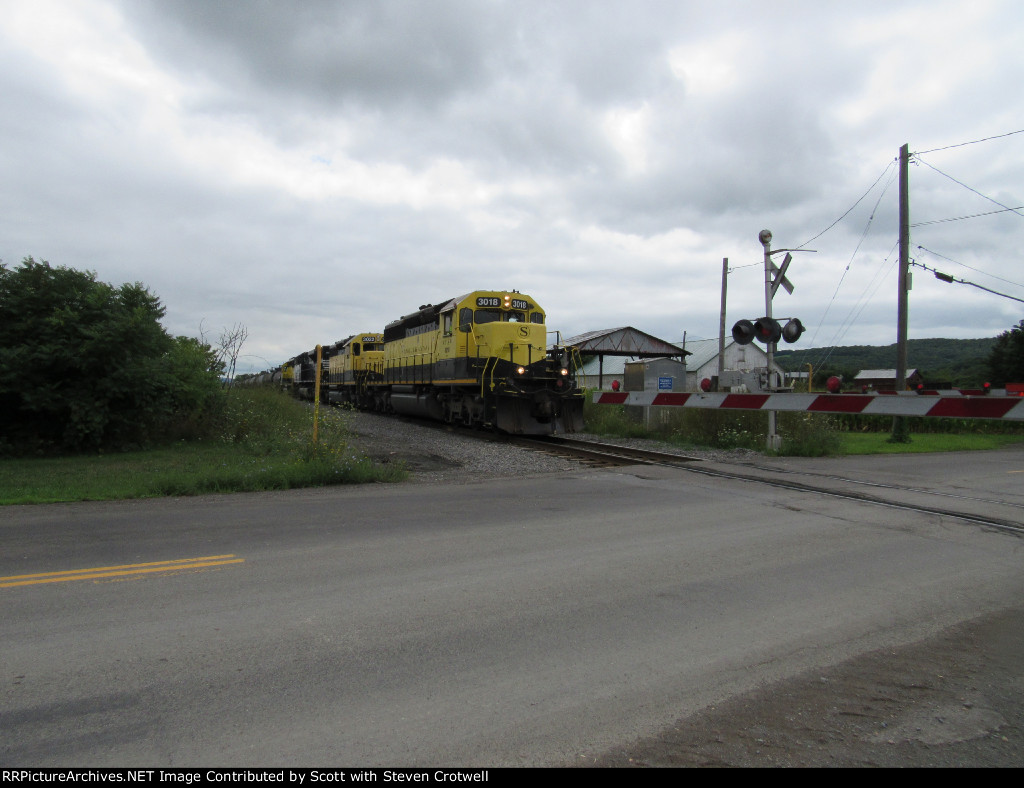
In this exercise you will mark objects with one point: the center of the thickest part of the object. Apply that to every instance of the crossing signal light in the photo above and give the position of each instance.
(743, 332)
(766, 330)
(792, 330)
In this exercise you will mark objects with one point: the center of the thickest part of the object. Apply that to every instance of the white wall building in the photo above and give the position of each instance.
(703, 361)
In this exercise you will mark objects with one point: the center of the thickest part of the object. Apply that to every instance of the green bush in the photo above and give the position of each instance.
(265, 442)
(86, 366)
(266, 422)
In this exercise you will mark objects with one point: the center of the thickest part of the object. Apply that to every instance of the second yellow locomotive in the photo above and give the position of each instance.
(353, 367)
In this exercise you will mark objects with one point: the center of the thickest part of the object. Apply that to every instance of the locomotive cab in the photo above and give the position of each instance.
(355, 365)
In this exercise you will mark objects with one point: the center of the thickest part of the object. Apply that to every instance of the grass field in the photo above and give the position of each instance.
(803, 435)
(264, 443)
(878, 443)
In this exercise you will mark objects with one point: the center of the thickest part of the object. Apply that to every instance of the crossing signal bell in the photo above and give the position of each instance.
(766, 330)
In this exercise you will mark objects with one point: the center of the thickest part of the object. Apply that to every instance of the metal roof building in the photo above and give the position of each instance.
(885, 379)
(620, 343)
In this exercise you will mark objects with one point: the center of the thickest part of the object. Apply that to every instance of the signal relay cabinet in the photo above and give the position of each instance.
(654, 374)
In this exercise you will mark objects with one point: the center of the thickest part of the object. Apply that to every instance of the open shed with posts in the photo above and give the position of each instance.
(616, 346)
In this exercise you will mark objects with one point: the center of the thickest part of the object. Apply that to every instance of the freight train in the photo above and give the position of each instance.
(479, 360)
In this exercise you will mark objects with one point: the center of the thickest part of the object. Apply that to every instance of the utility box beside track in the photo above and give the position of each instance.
(655, 374)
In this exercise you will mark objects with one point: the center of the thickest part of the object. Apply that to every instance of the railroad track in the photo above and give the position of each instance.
(610, 455)
(599, 454)
(606, 455)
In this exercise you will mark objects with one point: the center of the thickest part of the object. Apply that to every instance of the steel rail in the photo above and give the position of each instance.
(623, 455)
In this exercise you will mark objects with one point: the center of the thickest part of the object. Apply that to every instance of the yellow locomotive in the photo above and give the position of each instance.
(480, 359)
(353, 366)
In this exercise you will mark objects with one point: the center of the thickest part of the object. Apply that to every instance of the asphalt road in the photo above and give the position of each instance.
(519, 622)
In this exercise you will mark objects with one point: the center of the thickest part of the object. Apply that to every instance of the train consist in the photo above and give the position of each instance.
(478, 360)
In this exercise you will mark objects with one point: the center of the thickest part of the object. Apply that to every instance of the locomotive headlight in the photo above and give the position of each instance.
(520, 370)
(564, 372)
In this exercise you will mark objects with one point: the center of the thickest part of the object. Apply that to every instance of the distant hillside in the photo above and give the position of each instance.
(960, 362)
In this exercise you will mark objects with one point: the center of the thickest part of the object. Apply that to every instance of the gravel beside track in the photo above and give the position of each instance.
(435, 454)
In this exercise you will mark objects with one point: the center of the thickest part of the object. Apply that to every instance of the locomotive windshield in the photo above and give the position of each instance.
(496, 315)
(482, 316)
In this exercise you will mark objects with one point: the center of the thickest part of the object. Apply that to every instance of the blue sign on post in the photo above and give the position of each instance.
(664, 384)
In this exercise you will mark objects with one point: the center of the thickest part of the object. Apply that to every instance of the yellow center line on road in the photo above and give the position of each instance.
(119, 571)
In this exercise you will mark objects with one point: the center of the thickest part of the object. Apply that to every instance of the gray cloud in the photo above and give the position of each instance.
(319, 168)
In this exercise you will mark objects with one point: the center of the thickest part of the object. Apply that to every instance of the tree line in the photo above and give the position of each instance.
(86, 366)
(963, 363)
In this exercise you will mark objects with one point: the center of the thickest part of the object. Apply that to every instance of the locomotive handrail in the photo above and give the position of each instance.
(483, 373)
(576, 359)
(494, 366)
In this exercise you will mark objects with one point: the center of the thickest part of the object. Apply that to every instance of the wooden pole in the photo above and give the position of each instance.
(899, 423)
(316, 394)
(721, 324)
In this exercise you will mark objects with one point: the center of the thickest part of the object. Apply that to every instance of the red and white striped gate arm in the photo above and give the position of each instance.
(953, 405)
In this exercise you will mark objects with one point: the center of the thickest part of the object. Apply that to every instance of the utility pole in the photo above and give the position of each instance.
(721, 324)
(316, 392)
(900, 433)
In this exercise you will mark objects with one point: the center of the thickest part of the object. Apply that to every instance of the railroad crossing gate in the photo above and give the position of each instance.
(955, 404)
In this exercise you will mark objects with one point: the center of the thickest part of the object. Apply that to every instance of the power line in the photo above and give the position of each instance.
(865, 298)
(843, 327)
(837, 221)
(970, 216)
(950, 279)
(972, 142)
(975, 191)
(976, 270)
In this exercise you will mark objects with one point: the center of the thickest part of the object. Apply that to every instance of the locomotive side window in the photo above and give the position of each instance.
(447, 319)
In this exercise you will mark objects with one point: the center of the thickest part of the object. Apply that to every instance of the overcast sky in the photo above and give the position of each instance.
(317, 169)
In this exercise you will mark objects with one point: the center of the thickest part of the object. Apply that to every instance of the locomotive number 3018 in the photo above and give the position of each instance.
(493, 301)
